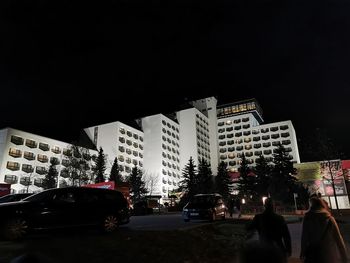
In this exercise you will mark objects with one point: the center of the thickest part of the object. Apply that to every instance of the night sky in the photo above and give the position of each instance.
(65, 66)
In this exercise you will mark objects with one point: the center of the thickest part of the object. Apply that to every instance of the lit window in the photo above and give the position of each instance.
(15, 153)
(12, 166)
(56, 149)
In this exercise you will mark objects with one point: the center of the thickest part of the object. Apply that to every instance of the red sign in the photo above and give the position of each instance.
(104, 185)
(5, 189)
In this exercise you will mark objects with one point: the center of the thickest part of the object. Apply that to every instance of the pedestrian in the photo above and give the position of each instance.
(321, 240)
(231, 206)
(273, 230)
(238, 207)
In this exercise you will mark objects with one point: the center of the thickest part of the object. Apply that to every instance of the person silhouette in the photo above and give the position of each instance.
(321, 240)
(272, 229)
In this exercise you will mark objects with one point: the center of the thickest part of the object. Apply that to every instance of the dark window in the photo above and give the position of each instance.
(248, 154)
(122, 139)
(258, 153)
(135, 145)
(27, 168)
(275, 136)
(121, 149)
(17, 140)
(285, 134)
(273, 129)
(128, 142)
(230, 135)
(25, 180)
(237, 128)
(223, 150)
(65, 162)
(246, 126)
(256, 138)
(223, 157)
(38, 182)
(221, 137)
(286, 142)
(246, 133)
(266, 144)
(40, 170)
(221, 123)
(238, 134)
(239, 148)
(29, 156)
(11, 179)
(64, 172)
(275, 143)
(222, 143)
(31, 143)
(232, 163)
(284, 127)
(255, 131)
(267, 151)
(44, 146)
(265, 130)
(67, 152)
(135, 136)
(128, 133)
(265, 137)
(245, 119)
(54, 160)
(221, 130)
(122, 130)
(257, 146)
(231, 149)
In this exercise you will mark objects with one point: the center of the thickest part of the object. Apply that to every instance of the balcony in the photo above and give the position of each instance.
(27, 168)
(13, 166)
(11, 179)
(29, 156)
(15, 153)
(17, 140)
(44, 146)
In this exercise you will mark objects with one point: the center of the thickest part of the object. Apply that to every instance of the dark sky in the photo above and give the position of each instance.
(65, 66)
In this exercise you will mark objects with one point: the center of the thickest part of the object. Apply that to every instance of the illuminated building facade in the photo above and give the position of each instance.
(25, 159)
(121, 141)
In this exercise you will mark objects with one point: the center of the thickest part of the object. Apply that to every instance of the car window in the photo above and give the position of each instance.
(66, 197)
(88, 198)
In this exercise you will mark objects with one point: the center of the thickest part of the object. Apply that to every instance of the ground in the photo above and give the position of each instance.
(217, 242)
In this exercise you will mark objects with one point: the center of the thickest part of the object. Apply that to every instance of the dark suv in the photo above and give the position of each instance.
(205, 206)
(64, 207)
(14, 197)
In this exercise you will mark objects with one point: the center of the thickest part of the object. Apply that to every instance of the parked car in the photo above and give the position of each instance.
(205, 206)
(14, 197)
(64, 207)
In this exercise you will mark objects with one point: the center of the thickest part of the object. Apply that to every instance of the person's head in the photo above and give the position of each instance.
(317, 204)
(269, 205)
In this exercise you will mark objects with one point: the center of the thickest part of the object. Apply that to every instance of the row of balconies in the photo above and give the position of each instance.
(128, 160)
(130, 143)
(170, 149)
(164, 172)
(256, 145)
(249, 154)
(169, 133)
(167, 164)
(130, 134)
(170, 126)
(169, 182)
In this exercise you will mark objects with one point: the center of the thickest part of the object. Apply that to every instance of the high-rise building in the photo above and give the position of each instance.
(241, 132)
(161, 154)
(160, 145)
(121, 141)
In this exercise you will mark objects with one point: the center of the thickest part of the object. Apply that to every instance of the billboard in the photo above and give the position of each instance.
(320, 175)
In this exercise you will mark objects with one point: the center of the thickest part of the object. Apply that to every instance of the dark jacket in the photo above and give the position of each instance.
(321, 237)
(273, 230)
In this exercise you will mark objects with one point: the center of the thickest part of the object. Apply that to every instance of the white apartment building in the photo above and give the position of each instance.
(121, 141)
(161, 147)
(240, 132)
(25, 158)
(161, 154)
(208, 107)
(194, 139)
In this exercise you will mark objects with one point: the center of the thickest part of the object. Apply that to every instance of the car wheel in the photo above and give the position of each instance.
(110, 223)
(15, 228)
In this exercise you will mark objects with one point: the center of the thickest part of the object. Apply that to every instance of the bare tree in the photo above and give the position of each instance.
(151, 182)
